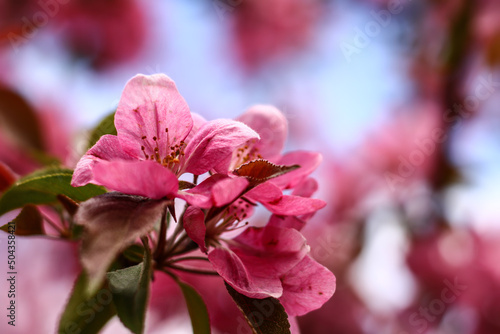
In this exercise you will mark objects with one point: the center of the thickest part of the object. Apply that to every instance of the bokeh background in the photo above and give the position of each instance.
(401, 97)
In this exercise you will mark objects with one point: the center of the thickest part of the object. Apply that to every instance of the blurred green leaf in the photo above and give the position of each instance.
(105, 127)
(130, 288)
(42, 187)
(265, 316)
(197, 309)
(86, 314)
(134, 253)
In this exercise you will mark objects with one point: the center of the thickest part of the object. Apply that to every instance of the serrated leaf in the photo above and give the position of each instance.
(130, 289)
(198, 313)
(86, 314)
(264, 316)
(112, 222)
(42, 187)
(258, 171)
(28, 222)
(105, 127)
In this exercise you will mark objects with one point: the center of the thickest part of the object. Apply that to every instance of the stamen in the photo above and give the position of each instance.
(144, 151)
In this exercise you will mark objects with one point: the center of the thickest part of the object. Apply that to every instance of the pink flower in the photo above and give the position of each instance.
(270, 261)
(265, 30)
(151, 150)
(255, 260)
(272, 127)
(104, 32)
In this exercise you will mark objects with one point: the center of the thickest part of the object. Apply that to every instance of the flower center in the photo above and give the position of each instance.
(171, 157)
(231, 219)
(245, 154)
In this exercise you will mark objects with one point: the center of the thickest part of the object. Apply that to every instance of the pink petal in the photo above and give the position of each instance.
(233, 271)
(272, 127)
(286, 222)
(142, 178)
(306, 188)
(289, 205)
(264, 192)
(201, 195)
(198, 122)
(107, 148)
(240, 209)
(148, 106)
(306, 287)
(215, 142)
(294, 325)
(308, 162)
(227, 190)
(270, 251)
(198, 200)
(217, 190)
(194, 224)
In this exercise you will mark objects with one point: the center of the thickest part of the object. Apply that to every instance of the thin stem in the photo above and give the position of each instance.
(169, 246)
(193, 271)
(162, 236)
(169, 273)
(178, 242)
(188, 258)
(54, 225)
(63, 221)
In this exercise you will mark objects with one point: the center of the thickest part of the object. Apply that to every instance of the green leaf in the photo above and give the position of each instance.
(42, 187)
(265, 316)
(197, 309)
(105, 127)
(130, 288)
(28, 222)
(134, 253)
(86, 314)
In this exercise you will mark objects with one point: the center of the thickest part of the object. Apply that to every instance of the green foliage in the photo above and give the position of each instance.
(130, 288)
(105, 127)
(86, 314)
(42, 187)
(197, 309)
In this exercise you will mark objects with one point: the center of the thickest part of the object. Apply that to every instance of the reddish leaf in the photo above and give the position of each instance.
(265, 316)
(20, 119)
(7, 177)
(112, 222)
(28, 222)
(260, 170)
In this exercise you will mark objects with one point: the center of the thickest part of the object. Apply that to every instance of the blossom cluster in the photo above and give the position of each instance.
(164, 155)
